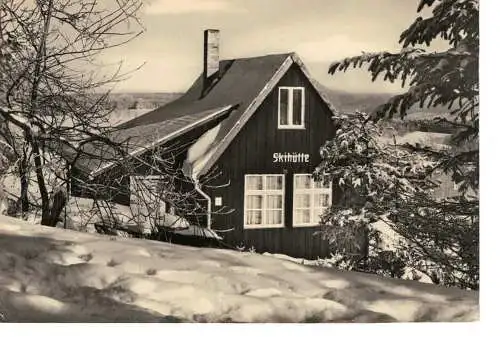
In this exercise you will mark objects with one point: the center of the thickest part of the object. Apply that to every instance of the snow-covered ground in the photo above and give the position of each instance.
(51, 274)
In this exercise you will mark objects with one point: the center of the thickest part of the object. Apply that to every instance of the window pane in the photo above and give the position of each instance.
(303, 181)
(274, 183)
(320, 184)
(273, 218)
(317, 215)
(275, 202)
(297, 107)
(254, 218)
(322, 200)
(254, 183)
(254, 201)
(302, 201)
(283, 107)
(302, 216)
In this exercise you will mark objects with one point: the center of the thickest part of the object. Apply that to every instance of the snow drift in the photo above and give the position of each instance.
(56, 275)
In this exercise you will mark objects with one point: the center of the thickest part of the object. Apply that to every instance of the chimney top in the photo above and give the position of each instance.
(210, 55)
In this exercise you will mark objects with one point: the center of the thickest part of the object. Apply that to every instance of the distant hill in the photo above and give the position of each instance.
(131, 105)
(348, 103)
(135, 101)
(417, 120)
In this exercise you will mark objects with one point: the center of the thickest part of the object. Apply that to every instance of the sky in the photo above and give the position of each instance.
(320, 31)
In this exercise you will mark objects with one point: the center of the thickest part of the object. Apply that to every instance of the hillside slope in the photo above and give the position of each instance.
(50, 274)
(348, 102)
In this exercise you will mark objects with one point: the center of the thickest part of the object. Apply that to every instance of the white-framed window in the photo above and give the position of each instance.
(291, 108)
(264, 200)
(310, 200)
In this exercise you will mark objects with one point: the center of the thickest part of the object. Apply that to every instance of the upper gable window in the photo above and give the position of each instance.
(291, 108)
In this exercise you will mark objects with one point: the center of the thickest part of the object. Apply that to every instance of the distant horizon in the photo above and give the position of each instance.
(183, 92)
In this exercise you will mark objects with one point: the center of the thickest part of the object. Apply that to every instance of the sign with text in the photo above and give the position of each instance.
(292, 157)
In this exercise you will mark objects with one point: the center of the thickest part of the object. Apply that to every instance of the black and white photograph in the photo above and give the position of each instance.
(239, 161)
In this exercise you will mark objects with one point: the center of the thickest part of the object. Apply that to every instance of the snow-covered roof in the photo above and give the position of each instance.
(97, 157)
(199, 153)
(145, 137)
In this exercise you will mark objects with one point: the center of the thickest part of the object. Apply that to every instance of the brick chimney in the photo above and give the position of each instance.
(210, 56)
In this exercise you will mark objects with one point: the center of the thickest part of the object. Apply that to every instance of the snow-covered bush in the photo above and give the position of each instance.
(392, 185)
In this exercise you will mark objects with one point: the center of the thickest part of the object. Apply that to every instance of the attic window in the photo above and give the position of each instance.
(291, 108)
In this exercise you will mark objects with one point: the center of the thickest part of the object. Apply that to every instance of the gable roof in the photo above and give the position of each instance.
(231, 126)
(242, 85)
(240, 81)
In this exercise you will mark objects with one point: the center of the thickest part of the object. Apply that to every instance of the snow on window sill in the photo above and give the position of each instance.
(291, 127)
(306, 225)
(262, 226)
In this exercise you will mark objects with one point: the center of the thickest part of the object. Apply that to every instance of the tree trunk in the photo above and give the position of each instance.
(37, 74)
(41, 185)
(58, 204)
(24, 177)
(365, 248)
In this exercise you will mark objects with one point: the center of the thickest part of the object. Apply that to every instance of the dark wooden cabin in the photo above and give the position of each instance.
(251, 130)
